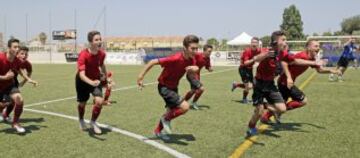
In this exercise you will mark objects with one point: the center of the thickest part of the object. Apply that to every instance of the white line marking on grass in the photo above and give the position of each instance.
(117, 89)
(121, 131)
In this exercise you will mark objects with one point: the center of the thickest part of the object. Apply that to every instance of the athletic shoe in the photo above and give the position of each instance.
(82, 125)
(194, 106)
(18, 128)
(251, 132)
(166, 125)
(95, 127)
(233, 86)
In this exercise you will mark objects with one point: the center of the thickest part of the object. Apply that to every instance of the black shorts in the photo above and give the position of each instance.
(170, 96)
(344, 62)
(83, 90)
(194, 83)
(246, 75)
(266, 90)
(5, 95)
(294, 93)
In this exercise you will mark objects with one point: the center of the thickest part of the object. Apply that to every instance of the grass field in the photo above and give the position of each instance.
(326, 127)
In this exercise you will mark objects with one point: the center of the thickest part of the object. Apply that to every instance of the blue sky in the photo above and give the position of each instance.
(205, 18)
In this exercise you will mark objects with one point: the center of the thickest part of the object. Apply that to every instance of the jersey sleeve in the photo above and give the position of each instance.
(81, 62)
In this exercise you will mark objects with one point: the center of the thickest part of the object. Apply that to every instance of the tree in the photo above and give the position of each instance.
(42, 38)
(223, 44)
(328, 33)
(349, 25)
(265, 41)
(292, 23)
(213, 41)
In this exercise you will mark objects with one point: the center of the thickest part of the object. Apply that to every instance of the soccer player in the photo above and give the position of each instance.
(246, 68)
(9, 92)
(292, 70)
(197, 88)
(174, 67)
(88, 78)
(269, 62)
(346, 57)
(26, 71)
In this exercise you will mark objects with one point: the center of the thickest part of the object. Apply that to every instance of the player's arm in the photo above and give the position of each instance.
(87, 80)
(104, 72)
(287, 73)
(303, 62)
(9, 75)
(146, 69)
(26, 78)
(260, 57)
(323, 70)
(208, 66)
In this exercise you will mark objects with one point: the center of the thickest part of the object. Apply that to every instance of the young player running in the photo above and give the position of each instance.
(88, 79)
(246, 69)
(293, 70)
(197, 88)
(174, 67)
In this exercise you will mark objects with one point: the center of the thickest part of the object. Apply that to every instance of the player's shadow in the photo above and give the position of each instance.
(180, 139)
(92, 134)
(241, 102)
(28, 128)
(292, 127)
(204, 107)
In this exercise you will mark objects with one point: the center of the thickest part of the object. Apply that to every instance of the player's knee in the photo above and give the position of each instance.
(250, 86)
(17, 98)
(201, 89)
(281, 107)
(99, 101)
(304, 102)
(185, 106)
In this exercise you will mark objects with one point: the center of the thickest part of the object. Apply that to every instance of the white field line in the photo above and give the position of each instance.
(121, 131)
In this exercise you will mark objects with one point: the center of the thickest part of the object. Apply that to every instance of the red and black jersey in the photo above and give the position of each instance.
(296, 70)
(5, 67)
(90, 63)
(173, 69)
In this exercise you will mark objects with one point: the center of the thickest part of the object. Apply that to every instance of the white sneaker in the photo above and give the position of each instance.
(18, 128)
(82, 125)
(95, 127)
(162, 136)
(166, 125)
(332, 78)
(195, 106)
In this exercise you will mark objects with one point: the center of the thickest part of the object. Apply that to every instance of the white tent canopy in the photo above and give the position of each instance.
(242, 39)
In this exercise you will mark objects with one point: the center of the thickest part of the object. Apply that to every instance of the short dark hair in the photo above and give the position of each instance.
(255, 38)
(207, 46)
(274, 36)
(309, 42)
(11, 41)
(190, 39)
(24, 48)
(91, 35)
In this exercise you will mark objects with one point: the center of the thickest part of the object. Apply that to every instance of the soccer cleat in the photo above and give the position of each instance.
(166, 125)
(95, 127)
(162, 136)
(277, 118)
(332, 78)
(195, 106)
(233, 86)
(18, 128)
(82, 125)
(251, 132)
(244, 101)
